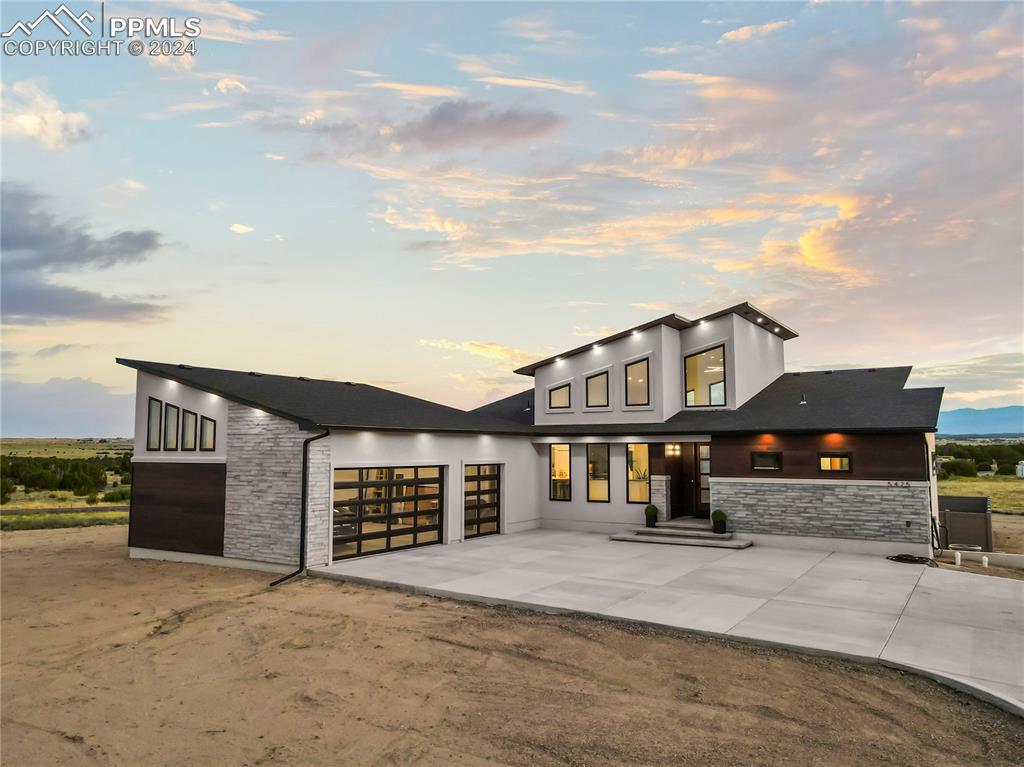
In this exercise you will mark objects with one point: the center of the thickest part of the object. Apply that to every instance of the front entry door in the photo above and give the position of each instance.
(691, 474)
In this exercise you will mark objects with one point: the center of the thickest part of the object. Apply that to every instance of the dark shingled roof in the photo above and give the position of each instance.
(314, 402)
(867, 399)
(842, 400)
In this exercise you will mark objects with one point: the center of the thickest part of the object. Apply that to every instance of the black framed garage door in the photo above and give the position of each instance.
(483, 499)
(386, 508)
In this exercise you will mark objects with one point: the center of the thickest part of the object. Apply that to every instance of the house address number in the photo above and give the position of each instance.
(899, 484)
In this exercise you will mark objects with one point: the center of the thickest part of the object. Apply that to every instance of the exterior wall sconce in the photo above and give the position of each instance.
(673, 449)
(803, 400)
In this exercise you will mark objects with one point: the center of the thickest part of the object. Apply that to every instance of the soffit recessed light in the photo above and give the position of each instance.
(760, 319)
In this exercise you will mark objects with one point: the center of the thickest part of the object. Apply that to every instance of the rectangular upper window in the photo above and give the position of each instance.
(638, 474)
(558, 397)
(597, 390)
(189, 430)
(766, 461)
(638, 383)
(171, 427)
(705, 378)
(561, 473)
(597, 473)
(207, 433)
(156, 411)
(834, 461)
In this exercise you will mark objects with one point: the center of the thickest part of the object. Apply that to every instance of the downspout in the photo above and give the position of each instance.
(305, 508)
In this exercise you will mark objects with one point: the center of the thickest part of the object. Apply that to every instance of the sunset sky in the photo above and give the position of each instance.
(424, 197)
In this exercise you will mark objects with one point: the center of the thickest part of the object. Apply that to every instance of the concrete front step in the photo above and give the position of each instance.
(682, 532)
(687, 523)
(673, 540)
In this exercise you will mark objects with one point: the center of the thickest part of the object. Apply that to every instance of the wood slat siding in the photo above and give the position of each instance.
(178, 507)
(873, 456)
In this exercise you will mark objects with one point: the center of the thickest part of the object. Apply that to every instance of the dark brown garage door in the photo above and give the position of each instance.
(483, 499)
(386, 508)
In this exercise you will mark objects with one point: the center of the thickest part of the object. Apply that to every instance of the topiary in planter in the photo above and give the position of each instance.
(651, 515)
(718, 520)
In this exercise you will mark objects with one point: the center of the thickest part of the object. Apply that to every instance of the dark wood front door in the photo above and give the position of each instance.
(690, 470)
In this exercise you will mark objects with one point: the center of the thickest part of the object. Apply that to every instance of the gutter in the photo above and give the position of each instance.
(305, 508)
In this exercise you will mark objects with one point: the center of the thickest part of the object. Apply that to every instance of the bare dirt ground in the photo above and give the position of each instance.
(1008, 533)
(107, 661)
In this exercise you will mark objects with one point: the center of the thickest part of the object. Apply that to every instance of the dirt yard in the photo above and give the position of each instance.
(1008, 533)
(112, 662)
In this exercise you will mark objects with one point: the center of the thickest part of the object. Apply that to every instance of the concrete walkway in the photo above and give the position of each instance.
(965, 629)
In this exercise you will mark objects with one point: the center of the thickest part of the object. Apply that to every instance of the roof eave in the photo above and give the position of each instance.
(303, 423)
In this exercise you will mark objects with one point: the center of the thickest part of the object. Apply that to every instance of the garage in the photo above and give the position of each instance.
(386, 509)
(482, 499)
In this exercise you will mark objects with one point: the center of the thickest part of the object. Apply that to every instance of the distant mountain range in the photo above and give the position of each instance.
(993, 420)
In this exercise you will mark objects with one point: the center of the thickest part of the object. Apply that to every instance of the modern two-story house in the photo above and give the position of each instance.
(278, 472)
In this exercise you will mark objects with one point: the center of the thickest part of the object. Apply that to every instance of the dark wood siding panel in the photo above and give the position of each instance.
(178, 507)
(873, 456)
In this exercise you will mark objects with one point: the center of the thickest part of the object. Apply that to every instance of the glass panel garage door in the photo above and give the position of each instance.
(483, 499)
(386, 508)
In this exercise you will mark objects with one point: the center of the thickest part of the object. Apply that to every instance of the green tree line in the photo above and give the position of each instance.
(970, 459)
(82, 476)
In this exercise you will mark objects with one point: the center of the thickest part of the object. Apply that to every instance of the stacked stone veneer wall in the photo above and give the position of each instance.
(263, 490)
(318, 511)
(865, 510)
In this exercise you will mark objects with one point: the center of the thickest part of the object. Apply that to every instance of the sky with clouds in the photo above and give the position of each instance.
(424, 197)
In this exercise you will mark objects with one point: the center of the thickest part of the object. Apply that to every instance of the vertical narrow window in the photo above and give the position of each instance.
(561, 473)
(638, 474)
(207, 433)
(171, 427)
(597, 473)
(597, 390)
(638, 383)
(156, 410)
(559, 397)
(705, 378)
(189, 430)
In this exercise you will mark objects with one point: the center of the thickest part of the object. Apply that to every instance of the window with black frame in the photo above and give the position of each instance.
(482, 488)
(155, 419)
(560, 462)
(597, 473)
(704, 375)
(171, 427)
(386, 508)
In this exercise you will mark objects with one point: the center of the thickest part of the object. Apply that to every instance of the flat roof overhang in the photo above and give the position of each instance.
(745, 310)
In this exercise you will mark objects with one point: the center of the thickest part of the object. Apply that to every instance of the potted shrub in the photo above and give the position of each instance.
(718, 520)
(651, 514)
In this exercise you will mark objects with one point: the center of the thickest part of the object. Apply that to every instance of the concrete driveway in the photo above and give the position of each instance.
(965, 629)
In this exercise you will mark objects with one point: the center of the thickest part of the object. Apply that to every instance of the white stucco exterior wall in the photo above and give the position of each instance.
(757, 358)
(186, 398)
(614, 356)
(520, 477)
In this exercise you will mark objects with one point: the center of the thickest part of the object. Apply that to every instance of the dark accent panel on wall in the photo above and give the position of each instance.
(873, 456)
(178, 507)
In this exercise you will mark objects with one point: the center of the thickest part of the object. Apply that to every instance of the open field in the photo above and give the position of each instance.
(1008, 533)
(64, 447)
(51, 499)
(1007, 493)
(63, 519)
(111, 661)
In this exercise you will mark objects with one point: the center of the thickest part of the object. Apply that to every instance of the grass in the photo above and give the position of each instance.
(56, 499)
(69, 519)
(64, 448)
(1007, 493)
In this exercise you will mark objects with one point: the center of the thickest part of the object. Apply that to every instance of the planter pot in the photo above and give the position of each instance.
(652, 521)
(718, 526)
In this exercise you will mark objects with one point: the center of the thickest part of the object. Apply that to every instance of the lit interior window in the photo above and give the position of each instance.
(705, 378)
(638, 474)
(558, 398)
